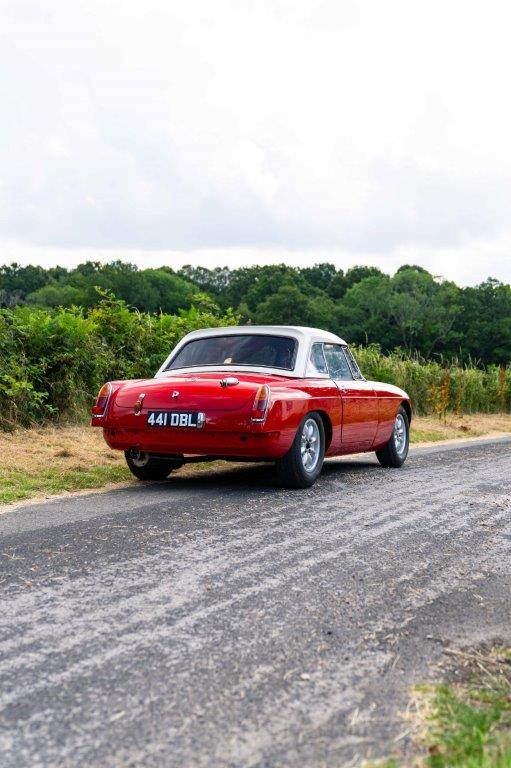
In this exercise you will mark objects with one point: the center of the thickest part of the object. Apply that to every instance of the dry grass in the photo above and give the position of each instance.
(430, 428)
(47, 460)
(61, 448)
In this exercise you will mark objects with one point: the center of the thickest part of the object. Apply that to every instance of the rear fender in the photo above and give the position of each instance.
(289, 407)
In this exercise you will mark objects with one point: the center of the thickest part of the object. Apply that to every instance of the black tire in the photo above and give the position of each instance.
(392, 455)
(150, 468)
(291, 469)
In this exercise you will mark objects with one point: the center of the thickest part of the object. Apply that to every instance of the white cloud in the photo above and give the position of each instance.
(366, 130)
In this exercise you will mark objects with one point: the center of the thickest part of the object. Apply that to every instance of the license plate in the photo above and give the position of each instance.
(173, 419)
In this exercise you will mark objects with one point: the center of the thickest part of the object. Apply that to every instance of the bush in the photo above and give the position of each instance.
(436, 387)
(53, 361)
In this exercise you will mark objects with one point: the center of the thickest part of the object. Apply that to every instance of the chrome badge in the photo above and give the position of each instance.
(137, 408)
(175, 394)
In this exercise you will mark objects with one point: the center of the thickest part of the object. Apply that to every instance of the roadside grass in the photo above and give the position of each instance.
(465, 724)
(427, 429)
(42, 461)
(46, 460)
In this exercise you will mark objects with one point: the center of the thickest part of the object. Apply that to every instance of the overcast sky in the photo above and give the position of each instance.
(250, 131)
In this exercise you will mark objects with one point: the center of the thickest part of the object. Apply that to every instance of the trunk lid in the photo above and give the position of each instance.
(195, 392)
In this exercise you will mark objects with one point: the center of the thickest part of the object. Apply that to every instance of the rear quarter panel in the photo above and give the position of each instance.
(297, 397)
(389, 402)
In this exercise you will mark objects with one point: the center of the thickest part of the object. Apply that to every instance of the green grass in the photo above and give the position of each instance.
(16, 485)
(469, 728)
(419, 435)
(465, 725)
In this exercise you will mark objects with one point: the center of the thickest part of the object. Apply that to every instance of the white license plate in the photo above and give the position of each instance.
(173, 419)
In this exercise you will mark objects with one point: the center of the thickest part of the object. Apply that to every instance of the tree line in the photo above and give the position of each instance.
(412, 310)
(53, 361)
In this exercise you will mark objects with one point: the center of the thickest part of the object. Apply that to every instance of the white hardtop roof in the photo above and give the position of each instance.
(297, 331)
(304, 336)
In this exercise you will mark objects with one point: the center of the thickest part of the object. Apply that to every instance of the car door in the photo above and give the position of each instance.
(359, 400)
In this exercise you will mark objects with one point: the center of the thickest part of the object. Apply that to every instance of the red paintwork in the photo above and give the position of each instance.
(359, 418)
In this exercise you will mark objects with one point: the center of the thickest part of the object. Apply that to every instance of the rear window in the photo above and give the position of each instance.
(237, 349)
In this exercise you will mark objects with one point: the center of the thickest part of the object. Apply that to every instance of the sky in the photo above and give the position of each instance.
(257, 131)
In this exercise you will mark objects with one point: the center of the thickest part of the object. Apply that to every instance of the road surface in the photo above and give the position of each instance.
(223, 621)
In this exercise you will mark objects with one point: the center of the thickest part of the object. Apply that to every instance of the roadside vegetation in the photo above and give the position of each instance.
(466, 723)
(429, 429)
(45, 460)
(53, 361)
(412, 310)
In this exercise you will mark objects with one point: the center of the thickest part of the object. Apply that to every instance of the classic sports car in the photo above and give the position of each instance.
(284, 394)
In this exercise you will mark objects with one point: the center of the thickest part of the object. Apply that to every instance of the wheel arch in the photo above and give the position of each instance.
(408, 408)
(327, 426)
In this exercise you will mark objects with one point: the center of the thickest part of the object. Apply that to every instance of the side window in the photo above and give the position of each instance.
(338, 365)
(317, 362)
(357, 373)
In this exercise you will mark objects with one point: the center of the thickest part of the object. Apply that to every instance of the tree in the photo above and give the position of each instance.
(289, 306)
(423, 310)
(17, 281)
(320, 275)
(57, 295)
(215, 281)
(484, 323)
(338, 285)
(363, 315)
(168, 292)
(358, 273)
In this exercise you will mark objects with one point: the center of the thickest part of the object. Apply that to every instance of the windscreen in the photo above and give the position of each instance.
(237, 349)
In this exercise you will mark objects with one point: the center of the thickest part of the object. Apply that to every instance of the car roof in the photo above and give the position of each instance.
(300, 332)
(303, 335)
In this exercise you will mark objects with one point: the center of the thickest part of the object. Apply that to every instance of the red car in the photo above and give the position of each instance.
(284, 394)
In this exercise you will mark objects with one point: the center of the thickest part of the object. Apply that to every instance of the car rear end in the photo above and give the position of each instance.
(203, 414)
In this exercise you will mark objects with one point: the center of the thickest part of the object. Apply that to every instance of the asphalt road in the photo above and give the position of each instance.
(223, 621)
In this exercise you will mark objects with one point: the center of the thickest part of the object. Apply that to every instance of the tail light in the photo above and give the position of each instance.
(261, 402)
(102, 399)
